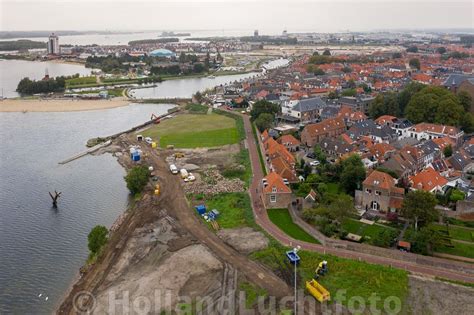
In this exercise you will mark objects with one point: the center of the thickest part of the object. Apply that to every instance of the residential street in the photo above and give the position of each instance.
(262, 219)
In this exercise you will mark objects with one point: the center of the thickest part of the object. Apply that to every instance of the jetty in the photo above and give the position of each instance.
(88, 151)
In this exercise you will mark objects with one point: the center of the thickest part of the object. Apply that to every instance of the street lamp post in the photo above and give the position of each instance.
(294, 259)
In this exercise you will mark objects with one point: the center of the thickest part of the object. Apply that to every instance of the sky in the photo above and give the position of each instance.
(265, 15)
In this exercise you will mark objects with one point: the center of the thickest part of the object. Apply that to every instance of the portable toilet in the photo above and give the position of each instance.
(135, 156)
(139, 138)
(132, 152)
(153, 144)
(201, 209)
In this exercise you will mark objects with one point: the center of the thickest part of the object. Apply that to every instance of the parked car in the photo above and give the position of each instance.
(314, 163)
(311, 155)
(184, 173)
(173, 169)
(190, 178)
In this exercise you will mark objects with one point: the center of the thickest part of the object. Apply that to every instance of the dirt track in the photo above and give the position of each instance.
(145, 212)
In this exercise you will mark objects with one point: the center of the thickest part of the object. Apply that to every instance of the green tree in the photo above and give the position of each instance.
(137, 178)
(467, 122)
(263, 107)
(346, 69)
(425, 241)
(448, 151)
(318, 71)
(207, 61)
(182, 57)
(198, 97)
(327, 52)
(332, 95)
(406, 94)
(264, 121)
(419, 207)
(349, 92)
(415, 63)
(320, 155)
(310, 68)
(315, 53)
(465, 100)
(97, 238)
(341, 208)
(384, 104)
(385, 238)
(441, 50)
(352, 173)
(448, 112)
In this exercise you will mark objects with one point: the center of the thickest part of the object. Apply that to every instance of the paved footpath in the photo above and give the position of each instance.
(262, 219)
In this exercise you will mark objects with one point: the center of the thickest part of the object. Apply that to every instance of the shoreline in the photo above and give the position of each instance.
(61, 105)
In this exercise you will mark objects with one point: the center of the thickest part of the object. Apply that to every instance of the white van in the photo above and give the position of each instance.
(184, 173)
(173, 169)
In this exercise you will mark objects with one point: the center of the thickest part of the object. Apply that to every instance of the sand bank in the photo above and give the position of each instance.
(61, 105)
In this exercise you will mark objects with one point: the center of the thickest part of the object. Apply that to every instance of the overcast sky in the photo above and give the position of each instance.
(294, 15)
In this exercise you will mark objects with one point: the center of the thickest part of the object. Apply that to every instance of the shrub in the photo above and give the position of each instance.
(97, 239)
(137, 178)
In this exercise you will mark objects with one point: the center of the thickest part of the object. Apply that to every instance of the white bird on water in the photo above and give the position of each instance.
(40, 294)
(46, 298)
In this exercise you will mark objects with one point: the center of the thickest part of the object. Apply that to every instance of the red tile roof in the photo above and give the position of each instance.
(428, 180)
(275, 181)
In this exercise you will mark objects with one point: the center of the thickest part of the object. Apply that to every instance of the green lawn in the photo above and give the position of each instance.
(234, 208)
(362, 229)
(459, 249)
(81, 81)
(192, 131)
(355, 277)
(457, 232)
(282, 219)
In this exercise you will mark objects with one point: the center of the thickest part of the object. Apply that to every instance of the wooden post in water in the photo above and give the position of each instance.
(55, 198)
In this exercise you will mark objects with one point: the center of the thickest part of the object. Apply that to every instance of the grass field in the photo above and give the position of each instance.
(362, 229)
(459, 249)
(282, 219)
(354, 277)
(81, 81)
(457, 232)
(234, 208)
(193, 131)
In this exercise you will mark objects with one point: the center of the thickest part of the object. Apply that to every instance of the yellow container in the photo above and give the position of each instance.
(153, 145)
(318, 291)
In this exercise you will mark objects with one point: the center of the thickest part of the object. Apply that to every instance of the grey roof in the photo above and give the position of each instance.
(329, 112)
(429, 147)
(370, 128)
(309, 104)
(455, 79)
(459, 161)
(469, 148)
(402, 123)
(404, 142)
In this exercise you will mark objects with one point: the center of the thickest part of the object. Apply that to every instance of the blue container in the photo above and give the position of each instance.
(201, 209)
(135, 157)
(293, 257)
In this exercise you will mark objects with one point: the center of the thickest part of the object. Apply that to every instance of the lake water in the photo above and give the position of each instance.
(41, 248)
(12, 71)
(185, 88)
(124, 38)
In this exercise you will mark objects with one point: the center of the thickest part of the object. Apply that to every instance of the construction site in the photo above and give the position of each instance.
(194, 238)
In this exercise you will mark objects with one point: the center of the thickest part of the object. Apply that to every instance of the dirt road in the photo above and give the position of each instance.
(173, 196)
(263, 220)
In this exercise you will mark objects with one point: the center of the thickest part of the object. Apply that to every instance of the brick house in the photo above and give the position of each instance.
(275, 193)
(290, 142)
(314, 133)
(379, 193)
(428, 180)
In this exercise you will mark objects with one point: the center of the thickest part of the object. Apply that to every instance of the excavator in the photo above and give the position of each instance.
(155, 118)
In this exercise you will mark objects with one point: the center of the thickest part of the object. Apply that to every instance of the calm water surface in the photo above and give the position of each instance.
(41, 249)
(12, 71)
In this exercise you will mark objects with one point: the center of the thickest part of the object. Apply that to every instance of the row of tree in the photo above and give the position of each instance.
(27, 86)
(421, 103)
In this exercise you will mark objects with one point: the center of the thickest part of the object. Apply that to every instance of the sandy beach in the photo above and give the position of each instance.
(62, 105)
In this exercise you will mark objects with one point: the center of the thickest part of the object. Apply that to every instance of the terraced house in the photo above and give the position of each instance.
(315, 133)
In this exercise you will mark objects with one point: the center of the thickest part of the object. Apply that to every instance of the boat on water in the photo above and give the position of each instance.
(211, 77)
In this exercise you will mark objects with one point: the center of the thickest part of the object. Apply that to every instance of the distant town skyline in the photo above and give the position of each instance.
(267, 16)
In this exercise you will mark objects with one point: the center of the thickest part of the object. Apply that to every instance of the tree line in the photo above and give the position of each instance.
(58, 84)
(421, 103)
